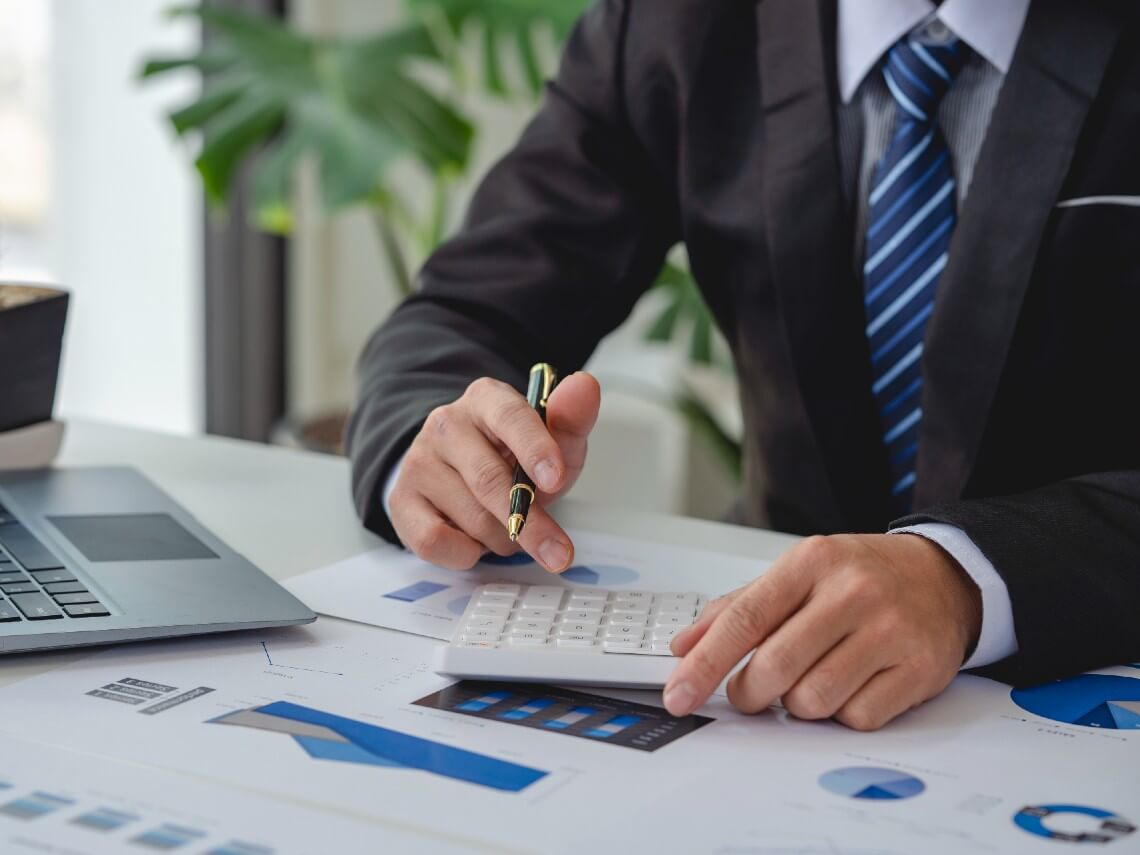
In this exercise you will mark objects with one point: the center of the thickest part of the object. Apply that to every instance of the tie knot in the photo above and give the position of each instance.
(919, 75)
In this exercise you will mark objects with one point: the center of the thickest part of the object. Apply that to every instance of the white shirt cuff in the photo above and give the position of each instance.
(997, 639)
(390, 485)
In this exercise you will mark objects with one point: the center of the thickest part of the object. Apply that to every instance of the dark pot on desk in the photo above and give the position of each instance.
(32, 319)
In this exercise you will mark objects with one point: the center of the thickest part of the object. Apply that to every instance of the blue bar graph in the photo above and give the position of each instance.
(527, 710)
(613, 726)
(236, 847)
(416, 592)
(34, 806)
(483, 701)
(104, 819)
(168, 836)
(571, 718)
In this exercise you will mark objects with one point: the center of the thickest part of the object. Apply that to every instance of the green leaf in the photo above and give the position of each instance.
(700, 346)
(354, 104)
(230, 136)
(214, 100)
(503, 21)
(492, 65)
(666, 323)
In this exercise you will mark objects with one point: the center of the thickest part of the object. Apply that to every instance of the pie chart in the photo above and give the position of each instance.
(871, 782)
(1103, 701)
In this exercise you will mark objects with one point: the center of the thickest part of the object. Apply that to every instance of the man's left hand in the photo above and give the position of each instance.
(856, 627)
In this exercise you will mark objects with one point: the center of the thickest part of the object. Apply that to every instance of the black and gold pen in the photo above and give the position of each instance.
(542, 380)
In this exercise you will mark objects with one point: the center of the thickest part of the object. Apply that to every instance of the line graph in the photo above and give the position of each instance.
(269, 660)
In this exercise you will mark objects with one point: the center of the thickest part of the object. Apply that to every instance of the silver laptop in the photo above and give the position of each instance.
(98, 555)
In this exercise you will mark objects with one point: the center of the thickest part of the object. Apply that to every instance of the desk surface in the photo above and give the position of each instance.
(290, 511)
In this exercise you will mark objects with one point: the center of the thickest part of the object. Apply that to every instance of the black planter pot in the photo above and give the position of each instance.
(32, 319)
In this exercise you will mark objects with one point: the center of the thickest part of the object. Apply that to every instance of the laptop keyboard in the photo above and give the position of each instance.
(34, 584)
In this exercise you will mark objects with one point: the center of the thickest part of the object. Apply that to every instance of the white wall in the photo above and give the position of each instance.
(126, 217)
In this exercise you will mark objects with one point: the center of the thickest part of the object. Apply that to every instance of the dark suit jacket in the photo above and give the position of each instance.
(714, 122)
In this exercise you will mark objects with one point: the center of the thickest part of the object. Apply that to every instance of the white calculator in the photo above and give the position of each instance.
(555, 634)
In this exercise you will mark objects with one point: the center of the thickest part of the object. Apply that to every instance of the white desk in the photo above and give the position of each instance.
(290, 511)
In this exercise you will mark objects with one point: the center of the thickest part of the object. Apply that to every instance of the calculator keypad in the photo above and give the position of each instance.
(501, 614)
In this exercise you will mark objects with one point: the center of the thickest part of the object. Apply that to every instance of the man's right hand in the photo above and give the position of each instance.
(450, 501)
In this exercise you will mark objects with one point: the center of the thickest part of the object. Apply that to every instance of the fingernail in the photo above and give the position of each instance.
(680, 699)
(546, 474)
(554, 554)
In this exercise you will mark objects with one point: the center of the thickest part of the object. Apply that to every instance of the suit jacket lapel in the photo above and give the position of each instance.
(1055, 76)
(809, 235)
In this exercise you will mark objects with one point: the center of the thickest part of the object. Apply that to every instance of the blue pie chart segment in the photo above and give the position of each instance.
(871, 782)
(1035, 820)
(1103, 701)
(600, 574)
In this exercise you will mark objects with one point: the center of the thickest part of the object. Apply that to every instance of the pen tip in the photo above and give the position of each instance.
(514, 526)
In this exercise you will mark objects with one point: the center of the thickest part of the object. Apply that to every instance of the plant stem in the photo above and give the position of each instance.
(392, 251)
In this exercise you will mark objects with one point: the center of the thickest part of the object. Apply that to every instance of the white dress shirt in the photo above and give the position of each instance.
(867, 30)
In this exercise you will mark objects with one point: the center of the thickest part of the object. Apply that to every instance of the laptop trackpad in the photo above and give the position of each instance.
(131, 537)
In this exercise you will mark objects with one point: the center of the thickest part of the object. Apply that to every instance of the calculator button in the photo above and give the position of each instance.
(581, 616)
(572, 640)
(7, 613)
(542, 596)
(626, 607)
(577, 627)
(501, 588)
(588, 596)
(568, 629)
(634, 596)
(520, 627)
(546, 614)
(483, 635)
(490, 598)
(661, 647)
(625, 632)
(634, 620)
(484, 645)
(491, 624)
(20, 588)
(527, 639)
(489, 610)
(675, 609)
(677, 599)
(666, 634)
(576, 604)
(619, 645)
(672, 620)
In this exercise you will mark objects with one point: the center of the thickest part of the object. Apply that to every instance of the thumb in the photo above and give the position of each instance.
(570, 416)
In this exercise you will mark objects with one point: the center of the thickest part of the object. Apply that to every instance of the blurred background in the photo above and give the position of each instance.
(237, 194)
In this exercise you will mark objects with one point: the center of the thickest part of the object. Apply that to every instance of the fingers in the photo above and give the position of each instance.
(741, 626)
(791, 657)
(684, 641)
(884, 697)
(424, 530)
(486, 479)
(502, 414)
(451, 497)
(571, 414)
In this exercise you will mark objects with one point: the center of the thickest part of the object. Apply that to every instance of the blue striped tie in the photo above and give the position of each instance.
(911, 219)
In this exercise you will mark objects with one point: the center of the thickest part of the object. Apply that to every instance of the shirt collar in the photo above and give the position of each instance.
(868, 29)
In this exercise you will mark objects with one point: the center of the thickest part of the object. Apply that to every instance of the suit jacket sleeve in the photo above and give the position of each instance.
(560, 240)
(1070, 555)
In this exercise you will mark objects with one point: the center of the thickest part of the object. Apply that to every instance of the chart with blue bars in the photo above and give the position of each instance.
(324, 736)
(135, 832)
(565, 711)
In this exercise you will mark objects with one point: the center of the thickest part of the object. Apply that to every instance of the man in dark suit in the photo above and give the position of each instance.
(915, 225)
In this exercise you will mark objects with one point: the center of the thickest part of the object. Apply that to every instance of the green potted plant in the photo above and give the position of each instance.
(357, 106)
